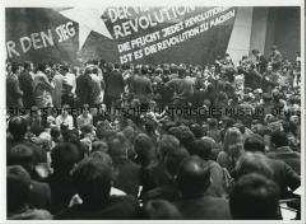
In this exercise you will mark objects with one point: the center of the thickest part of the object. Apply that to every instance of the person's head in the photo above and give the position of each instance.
(233, 142)
(93, 181)
(17, 127)
(294, 121)
(174, 158)
(150, 125)
(269, 68)
(253, 163)
(100, 146)
(103, 157)
(184, 135)
(35, 112)
(254, 197)
(279, 139)
(254, 143)
(160, 209)
(41, 67)
(49, 72)
(89, 70)
(144, 70)
(15, 68)
(274, 48)
(65, 110)
(56, 134)
(118, 146)
(65, 156)
(145, 149)
(18, 186)
(197, 130)
(267, 97)
(28, 66)
(212, 123)
(88, 131)
(255, 52)
(203, 148)
(95, 70)
(193, 177)
(64, 69)
(72, 136)
(85, 110)
(276, 95)
(259, 129)
(22, 155)
(130, 133)
(167, 144)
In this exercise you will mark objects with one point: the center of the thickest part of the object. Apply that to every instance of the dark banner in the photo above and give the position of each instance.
(194, 35)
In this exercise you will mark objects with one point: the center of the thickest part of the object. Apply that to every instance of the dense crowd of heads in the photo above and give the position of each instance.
(167, 141)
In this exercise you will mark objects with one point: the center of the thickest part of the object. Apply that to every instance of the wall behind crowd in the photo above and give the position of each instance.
(283, 29)
(262, 27)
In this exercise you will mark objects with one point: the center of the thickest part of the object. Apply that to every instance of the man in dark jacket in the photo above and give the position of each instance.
(254, 197)
(93, 180)
(283, 174)
(27, 85)
(83, 87)
(39, 195)
(14, 93)
(64, 157)
(17, 130)
(114, 87)
(261, 61)
(193, 180)
(19, 190)
(141, 86)
(283, 151)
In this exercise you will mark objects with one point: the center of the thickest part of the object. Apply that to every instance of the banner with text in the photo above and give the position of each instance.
(194, 35)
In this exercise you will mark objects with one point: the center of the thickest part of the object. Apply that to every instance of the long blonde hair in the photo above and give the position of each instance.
(233, 143)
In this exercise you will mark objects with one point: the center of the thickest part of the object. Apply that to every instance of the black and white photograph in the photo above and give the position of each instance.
(158, 112)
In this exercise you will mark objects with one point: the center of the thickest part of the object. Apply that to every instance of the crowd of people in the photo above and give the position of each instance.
(167, 141)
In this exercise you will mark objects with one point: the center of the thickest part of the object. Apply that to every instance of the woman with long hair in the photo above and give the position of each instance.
(232, 149)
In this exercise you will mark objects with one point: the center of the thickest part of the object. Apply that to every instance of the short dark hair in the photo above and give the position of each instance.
(55, 132)
(145, 149)
(95, 70)
(255, 51)
(197, 130)
(254, 143)
(167, 144)
(203, 148)
(41, 67)
(174, 159)
(212, 122)
(22, 155)
(193, 177)
(15, 67)
(279, 138)
(254, 197)
(27, 65)
(17, 127)
(160, 209)
(86, 129)
(99, 146)
(183, 134)
(64, 156)
(18, 188)
(253, 163)
(118, 146)
(93, 180)
(64, 68)
(103, 157)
